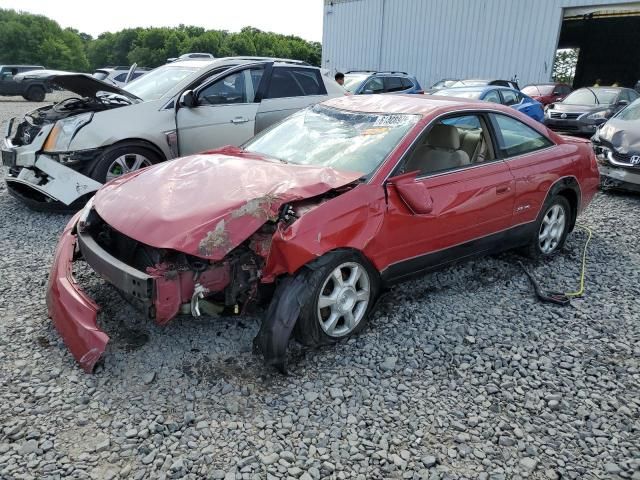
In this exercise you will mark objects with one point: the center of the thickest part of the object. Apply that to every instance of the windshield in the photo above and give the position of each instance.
(469, 83)
(589, 96)
(327, 137)
(538, 89)
(156, 83)
(632, 112)
(473, 94)
(353, 81)
(444, 84)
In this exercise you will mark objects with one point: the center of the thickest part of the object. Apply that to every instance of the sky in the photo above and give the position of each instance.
(290, 17)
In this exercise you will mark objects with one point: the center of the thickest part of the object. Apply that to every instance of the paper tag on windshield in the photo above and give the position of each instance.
(390, 121)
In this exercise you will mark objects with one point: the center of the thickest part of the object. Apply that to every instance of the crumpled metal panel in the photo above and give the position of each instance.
(207, 204)
(623, 135)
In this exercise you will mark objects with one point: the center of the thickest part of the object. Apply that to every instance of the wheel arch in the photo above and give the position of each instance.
(140, 142)
(569, 188)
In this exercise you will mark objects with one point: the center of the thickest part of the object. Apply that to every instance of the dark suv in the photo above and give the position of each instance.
(381, 82)
(33, 90)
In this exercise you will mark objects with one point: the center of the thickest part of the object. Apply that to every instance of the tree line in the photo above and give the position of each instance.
(35, 39)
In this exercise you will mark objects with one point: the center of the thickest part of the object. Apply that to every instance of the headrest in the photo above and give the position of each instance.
(444, 136)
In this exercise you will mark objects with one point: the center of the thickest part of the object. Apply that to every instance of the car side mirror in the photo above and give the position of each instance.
(414, 194)
(188, 99)
(623, 103)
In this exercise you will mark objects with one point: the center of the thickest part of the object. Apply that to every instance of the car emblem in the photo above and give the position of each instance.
(564, 115)
(635, 160)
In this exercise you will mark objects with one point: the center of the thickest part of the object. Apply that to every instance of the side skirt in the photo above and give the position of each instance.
(498, 242)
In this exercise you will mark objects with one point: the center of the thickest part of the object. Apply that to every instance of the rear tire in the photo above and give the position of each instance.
(35, 94)
(121, 159)
(552, 228)
(344, 287)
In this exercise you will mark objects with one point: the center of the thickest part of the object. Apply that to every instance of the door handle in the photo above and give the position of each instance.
(503, 189)
(239, 120)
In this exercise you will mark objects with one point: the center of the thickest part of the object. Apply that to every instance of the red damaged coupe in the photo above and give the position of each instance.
(319, 213)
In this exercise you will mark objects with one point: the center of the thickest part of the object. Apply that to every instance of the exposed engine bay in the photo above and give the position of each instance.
(33, 121)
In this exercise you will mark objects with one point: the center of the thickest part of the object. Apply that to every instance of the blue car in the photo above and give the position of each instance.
(506, 96)
(366, 82)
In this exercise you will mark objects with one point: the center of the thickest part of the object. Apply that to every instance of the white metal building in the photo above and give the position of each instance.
(492, 39)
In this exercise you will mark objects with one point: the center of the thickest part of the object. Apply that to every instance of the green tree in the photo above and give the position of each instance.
(564, 65)
(27, 38)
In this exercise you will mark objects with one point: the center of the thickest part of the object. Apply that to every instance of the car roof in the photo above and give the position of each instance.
(408, 104)
(20, 66)
(240, 60)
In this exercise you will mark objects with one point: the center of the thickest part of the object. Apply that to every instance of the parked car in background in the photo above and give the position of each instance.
(480, 82)
(617, 145)
(32, 90)
(583, 110)
(191, 56)
(506, 96)
(381, 82)
(329, 207)
(547, 93)
(444, 83)
(118, 75)
(60, 154)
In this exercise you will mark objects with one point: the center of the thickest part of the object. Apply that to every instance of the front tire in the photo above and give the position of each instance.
(344, 287)
(121, 159)
(552, 228)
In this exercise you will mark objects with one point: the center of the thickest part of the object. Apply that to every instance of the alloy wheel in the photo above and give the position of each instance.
(344, 298)
(126, 163)
(552, 229)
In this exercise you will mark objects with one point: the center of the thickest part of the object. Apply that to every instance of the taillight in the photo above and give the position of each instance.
(420, 92)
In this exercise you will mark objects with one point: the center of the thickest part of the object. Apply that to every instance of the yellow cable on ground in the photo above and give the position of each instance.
(580, 292)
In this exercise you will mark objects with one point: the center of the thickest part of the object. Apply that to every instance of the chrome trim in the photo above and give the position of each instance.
(610, 158)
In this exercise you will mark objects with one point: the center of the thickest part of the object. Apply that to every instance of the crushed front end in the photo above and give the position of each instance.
(618, 170)
(164, 282)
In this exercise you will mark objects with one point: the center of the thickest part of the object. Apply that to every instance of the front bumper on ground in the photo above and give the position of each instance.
(74, 314)
(571, 127)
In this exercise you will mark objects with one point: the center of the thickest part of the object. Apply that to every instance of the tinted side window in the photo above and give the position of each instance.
(633, 94)
(509, 97)
(284, 84)
(393, 84)
(406, 83)
(121, 77)
(375, 85)
(310, 81)
(516, 138)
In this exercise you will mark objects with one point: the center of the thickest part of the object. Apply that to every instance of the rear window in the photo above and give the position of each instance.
(100, 74)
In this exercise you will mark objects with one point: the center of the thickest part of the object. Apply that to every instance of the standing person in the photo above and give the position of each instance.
(340, 78)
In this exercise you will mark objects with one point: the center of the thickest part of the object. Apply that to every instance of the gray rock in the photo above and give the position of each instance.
(389, 364)
(528, 464)
(30, 446)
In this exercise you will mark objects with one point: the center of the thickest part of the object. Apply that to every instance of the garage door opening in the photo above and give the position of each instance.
(606, 42)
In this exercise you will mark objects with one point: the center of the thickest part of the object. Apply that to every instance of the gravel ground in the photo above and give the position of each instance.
(461, 375)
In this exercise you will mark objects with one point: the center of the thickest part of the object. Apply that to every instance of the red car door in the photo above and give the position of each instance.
(535, 161)
(467, 192)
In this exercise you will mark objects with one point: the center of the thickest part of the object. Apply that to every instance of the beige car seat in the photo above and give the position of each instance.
(440, 151)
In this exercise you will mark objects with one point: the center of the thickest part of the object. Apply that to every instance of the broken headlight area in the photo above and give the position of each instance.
(76, 159)
(167, 282)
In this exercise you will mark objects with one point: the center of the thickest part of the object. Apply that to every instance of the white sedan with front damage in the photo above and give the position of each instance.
(57, 156)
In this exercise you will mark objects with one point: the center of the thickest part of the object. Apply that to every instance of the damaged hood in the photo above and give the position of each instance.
(622, 135)
(207, 204)
(81, 84)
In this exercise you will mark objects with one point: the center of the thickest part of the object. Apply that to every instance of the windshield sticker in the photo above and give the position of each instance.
(374, 131)
(391, 120)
